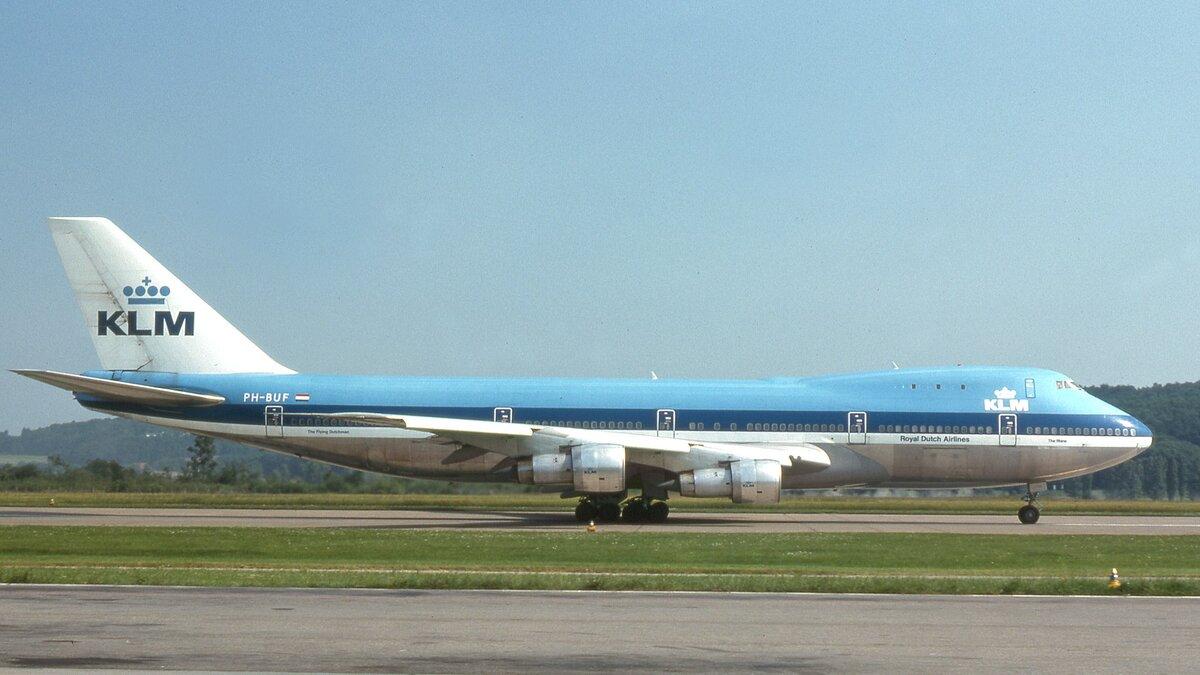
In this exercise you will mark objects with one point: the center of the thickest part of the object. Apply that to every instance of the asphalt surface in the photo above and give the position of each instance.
(91, 627)
(562, 520)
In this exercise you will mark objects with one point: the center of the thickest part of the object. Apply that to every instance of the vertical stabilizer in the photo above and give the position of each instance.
(142, 317)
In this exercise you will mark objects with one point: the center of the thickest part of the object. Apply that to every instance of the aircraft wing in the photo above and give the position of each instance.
(114, 390)
(470, 431)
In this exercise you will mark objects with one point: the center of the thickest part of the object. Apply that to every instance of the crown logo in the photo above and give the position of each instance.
(1005, 393)
(146, 294)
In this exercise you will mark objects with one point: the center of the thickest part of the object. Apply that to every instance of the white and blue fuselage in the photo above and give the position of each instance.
(958, 426)
(168, 358)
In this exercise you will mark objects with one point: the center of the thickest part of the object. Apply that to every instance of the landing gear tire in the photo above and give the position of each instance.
(585, 511)
(658, 512)
(1028, 514)
(635, 511)
(609, 512)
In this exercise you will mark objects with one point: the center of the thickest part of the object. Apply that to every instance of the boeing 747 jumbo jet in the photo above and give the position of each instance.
(169, 359)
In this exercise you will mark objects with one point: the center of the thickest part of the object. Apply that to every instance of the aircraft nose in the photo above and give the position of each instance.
(1141, 431)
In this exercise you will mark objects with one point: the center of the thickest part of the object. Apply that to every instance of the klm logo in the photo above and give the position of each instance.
(146, 294)
(1005, 401)
(163, 322)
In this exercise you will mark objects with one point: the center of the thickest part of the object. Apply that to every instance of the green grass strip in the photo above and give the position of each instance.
(375, 558)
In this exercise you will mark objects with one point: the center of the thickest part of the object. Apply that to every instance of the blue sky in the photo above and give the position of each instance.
(706, 190)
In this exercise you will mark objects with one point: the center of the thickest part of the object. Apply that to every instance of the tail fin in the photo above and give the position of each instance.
(141, 316)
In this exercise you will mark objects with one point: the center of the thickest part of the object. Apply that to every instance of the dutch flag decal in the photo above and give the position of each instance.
(302, 398)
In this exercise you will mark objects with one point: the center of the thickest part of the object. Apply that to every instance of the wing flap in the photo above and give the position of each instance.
(438, 425)
(114, 390)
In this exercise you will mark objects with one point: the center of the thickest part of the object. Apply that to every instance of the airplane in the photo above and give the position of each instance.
(169, 359)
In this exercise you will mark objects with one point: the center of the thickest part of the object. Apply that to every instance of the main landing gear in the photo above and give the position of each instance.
(1030, 513)
(635, 510)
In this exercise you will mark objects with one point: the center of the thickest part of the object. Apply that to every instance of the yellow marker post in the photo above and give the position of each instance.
(1114, 581)
(591, 526)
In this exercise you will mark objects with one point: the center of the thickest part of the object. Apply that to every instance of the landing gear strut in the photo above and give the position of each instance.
(1030, 513)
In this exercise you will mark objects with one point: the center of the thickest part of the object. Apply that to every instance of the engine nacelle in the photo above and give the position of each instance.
(549, 469)
(591, 468)
(598, 467)
(749, 481)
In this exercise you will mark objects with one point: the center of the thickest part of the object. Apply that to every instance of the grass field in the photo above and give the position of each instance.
(862, 562)
(841, 504)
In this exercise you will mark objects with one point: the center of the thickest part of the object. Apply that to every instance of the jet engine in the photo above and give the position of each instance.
(749, 481)
(591, 468)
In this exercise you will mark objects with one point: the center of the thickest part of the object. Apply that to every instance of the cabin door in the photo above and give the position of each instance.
(273, 421)
(856, 424)
(666, 423)
(1008, 430)
(502, 415)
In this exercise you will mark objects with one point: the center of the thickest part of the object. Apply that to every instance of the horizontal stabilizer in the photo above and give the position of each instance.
(114, 390)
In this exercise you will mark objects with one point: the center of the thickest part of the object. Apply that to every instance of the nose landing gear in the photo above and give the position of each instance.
(1030, 513)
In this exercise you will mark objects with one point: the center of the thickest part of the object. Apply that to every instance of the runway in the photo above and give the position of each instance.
(455, 631)
(730, 521)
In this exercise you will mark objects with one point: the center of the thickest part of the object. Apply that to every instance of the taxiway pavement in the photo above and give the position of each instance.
(90, 627)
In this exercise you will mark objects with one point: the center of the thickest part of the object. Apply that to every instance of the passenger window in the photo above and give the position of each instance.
(733, 426)
(692, 426)
(988, 429)
(774, 427)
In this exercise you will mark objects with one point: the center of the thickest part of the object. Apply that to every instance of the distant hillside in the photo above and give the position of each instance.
(135, 444)
(1170, 470)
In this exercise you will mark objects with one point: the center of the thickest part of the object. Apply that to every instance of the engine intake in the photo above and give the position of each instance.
(591, 468)
(749, 481)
